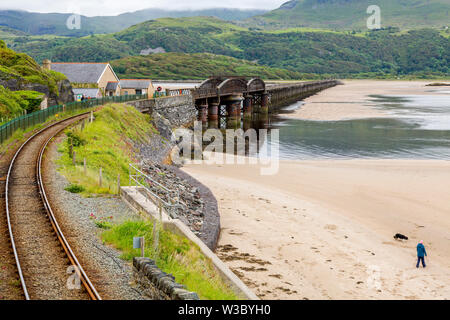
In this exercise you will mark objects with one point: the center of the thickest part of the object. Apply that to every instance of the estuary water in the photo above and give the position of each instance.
(417, 127)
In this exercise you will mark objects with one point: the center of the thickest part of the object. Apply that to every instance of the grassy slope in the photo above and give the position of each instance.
(176, 255)
(351, 14)
(194, 66)
(108, 143)
(23, 69)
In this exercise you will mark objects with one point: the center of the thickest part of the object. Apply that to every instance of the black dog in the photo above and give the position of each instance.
(399, 236)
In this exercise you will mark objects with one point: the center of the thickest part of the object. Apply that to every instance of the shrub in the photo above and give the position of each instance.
(73, 188)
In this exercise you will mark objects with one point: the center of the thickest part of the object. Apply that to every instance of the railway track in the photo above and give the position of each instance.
(46, 265)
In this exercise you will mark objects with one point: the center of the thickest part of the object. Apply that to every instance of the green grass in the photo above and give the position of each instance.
(20, 135)
(106, 143)
(176, 255)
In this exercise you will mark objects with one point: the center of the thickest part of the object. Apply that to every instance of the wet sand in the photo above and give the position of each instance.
(352, 100)
(324, 229)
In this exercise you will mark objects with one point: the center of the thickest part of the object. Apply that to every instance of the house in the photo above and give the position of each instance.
(112, 89)
(88, 79)
(136, 86)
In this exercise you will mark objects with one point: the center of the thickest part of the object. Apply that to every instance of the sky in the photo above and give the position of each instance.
(114, 7)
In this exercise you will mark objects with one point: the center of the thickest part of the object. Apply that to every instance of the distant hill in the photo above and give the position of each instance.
(55, 23)
(6, 32)
(351, 14)
(195, 66)
(382, 53)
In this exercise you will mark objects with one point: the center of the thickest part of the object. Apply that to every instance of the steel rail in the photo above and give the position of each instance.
(85, 280)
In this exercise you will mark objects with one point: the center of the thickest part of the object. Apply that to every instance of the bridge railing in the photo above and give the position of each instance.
(204, 93)
(178, 92)
(37, 117)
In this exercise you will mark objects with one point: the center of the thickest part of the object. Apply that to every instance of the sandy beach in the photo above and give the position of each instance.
(324, 229)
(352, 100)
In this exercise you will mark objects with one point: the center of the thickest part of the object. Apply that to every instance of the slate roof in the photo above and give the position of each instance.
(88, 93)
(135, 84)
(81, 72)
(112, 86)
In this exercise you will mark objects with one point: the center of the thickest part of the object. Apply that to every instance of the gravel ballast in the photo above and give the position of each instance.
(76, 215)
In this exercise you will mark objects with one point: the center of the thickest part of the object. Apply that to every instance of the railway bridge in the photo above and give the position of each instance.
(219, 96)
(235, 97)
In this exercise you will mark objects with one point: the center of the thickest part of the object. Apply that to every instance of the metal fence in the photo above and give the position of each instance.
(32, 119)
(156, 192)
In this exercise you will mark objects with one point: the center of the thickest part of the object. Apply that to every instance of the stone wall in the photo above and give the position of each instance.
(178, 110)
(158, 285)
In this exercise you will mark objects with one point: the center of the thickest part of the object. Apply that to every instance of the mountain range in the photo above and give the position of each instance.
(352, 14)
(34, 23)
(288, 40)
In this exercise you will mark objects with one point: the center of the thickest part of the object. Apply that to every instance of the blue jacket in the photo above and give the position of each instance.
(421, 252)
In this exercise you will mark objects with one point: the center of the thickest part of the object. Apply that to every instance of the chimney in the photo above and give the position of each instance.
(47, 64)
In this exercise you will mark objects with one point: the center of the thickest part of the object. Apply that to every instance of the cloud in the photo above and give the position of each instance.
(113, 7)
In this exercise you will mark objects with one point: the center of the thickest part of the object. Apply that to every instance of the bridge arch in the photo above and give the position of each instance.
(256, 84)
(232, 86)
(211, 83)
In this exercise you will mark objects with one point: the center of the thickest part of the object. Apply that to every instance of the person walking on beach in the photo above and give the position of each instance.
(421, 254)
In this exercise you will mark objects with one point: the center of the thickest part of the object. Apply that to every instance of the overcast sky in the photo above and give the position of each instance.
(114, 7)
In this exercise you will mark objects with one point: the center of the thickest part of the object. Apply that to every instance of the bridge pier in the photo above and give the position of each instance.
(233, 104)
(203, 113)
(213, 114)
(248, 107)
(264, 103)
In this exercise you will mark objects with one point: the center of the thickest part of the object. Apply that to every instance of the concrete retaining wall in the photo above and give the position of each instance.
(141, 204)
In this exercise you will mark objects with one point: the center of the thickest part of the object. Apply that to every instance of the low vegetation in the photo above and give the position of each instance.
(196, 66)
(15, 103)
(175, 255)
(107, 143)
(18, 70)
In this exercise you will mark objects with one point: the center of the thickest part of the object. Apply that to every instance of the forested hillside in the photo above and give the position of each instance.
(382, 53)
(196, 66)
